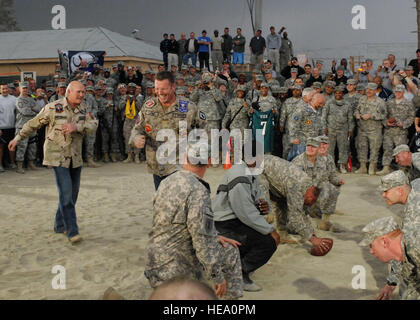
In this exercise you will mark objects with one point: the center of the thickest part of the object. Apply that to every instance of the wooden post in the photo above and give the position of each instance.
(352, 64)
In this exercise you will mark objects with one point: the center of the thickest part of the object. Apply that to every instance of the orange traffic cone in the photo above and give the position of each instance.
(227, 164)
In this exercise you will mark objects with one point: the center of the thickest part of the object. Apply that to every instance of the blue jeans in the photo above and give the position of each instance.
(193, 57)
(68, 183)
(238, 57)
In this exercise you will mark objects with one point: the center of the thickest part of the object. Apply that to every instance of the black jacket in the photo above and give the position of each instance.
(164, 46)
(227, 44)
(173, 47)
(188, 43)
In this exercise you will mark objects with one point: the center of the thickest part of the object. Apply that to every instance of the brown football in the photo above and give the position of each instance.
(318, 251)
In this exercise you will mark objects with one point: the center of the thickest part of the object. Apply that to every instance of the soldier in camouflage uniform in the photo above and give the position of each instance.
(208, 99)
(109, 130)
(307, 122)
(400, 116)
(316, 167)
(61, 92)
(290, 190)
(89, 139)
(193, 74)
(337, 117)
(129, 117)
(285, 120)
(255, 90)
(329, 87)
(404, 258)
(109, 81)
(369, 113)
(352, 98)
(184, 240)
(410, 162)
(173, 113)
(26, 109)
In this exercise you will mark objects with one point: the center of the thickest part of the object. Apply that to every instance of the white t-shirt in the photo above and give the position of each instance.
(7, 112)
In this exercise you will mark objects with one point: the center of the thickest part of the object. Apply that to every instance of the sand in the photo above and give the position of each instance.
(114, 212)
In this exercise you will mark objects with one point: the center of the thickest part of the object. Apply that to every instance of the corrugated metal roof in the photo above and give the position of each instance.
(44, 44)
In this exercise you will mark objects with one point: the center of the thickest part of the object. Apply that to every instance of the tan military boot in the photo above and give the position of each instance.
(385, 170)
(92, 164)
(19, 167)
(114, 157)
(362, 169)
(325, 224)
(286, 238)
(32, 166)
(129, 158)
(372, 168)
(343, 168)
(106, 157)
(137, 159)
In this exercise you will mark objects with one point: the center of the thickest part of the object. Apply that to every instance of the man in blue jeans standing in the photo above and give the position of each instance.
(67, 121)
(204, 50)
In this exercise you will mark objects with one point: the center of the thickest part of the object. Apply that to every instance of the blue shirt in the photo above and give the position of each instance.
(203, 47)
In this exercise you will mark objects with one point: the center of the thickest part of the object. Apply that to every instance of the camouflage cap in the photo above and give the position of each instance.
(62, 85)
(268, 71)
(320, 61)
(150, 84)
(50, 89)
(129, 68)
(372, 86)
(323, 139)
(132, 84)
(400, 148)
(48, 83)
(220, 81)
(184, 67)
(340, 88)
(235, 79)
(351, 81)
(283, 90)
(360, 86)
(181, 90)
(293, 70)
(241, 87)
(265, 84)
(207, 78)
(392, 180)
(11, 85)
(191, 66)
(408, 68)
(179, 77)
(98, 87)
(330, 84)
(120, 63)
(376, 229)
(107, 69)
(296, 87)
(255, 70)
(122, 85)
(115, 65)
(109, 91)
(259, 77)
(317, 85)
(63, 76)
(90, 88)
(275, 89)
(198, 152)
(399, 88)
(314, 142)
(24, 84)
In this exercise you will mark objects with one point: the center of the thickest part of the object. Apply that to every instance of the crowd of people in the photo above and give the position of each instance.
(308, 116)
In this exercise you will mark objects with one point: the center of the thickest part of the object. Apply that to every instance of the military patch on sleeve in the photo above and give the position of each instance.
(59, 108)
(296, 118)
(149, 104)
(183, 106)
(148, 128)
(308, 122)
(202, 115)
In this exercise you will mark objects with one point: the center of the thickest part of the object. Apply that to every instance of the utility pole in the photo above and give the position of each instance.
(258, 14)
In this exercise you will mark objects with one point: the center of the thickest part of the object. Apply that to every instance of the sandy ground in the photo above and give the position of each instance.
(114, 213)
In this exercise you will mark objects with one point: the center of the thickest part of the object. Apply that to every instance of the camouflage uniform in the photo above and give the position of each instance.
(352, 99)
(129, 124)
(394, 136)
(337, 117)
(370, 131)
(181, 117)
(109, 128)
(89, 139)
(266, 103)
(26, 109)
(307, 122)
(324, 177)
(183, 240)
(208, 102)
(287, 184)
(285, 121)
(60, 148)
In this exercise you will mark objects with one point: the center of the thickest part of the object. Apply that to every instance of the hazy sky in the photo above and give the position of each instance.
(310, 23)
